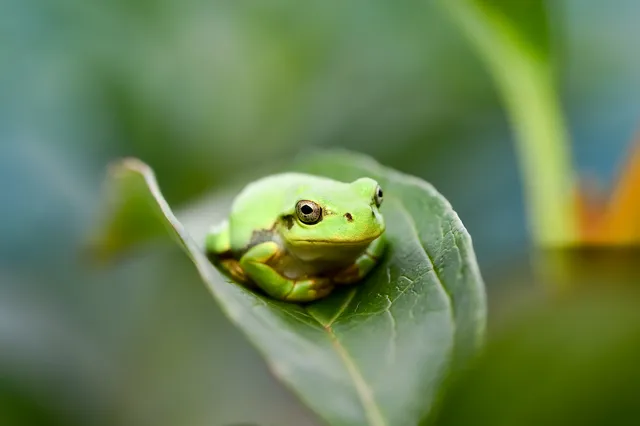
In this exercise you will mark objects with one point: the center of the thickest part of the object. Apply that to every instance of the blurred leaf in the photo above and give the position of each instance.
(512, 38)
(610, 218)
(127, 219)
(529, 18)
(19, 407)
(594, 266)
(572, 363)
(624, 206)
(372, 353)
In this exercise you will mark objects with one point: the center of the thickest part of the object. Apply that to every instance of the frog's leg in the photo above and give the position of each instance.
(254, 263)
(364, 264)
(217, 240)
(218, 249)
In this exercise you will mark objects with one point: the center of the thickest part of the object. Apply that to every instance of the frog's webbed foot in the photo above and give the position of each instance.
(363, 265)
(309, 289)
(255, 265)
(233, 268)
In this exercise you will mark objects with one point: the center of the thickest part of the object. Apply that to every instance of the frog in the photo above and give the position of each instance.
(296, 236)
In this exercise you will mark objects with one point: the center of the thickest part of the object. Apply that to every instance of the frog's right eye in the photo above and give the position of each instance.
(308, 212)
(377, 197)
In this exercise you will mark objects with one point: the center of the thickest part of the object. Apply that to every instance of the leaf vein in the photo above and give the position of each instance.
(428, 256)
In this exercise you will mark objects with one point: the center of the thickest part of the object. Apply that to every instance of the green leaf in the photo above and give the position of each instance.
(512, 38)
(375, 352)
(127, 219)
(528, 18)
(573, 362)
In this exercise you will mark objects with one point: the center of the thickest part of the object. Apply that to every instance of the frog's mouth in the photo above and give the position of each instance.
(334, 251)
(334, 241)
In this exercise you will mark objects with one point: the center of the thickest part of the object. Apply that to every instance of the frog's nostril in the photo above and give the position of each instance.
(349, 217)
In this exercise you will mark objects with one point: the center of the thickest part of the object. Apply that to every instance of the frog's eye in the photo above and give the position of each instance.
(378, 196)
(308, 212)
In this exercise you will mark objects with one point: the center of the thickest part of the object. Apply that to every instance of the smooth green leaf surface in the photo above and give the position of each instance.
(374, 353)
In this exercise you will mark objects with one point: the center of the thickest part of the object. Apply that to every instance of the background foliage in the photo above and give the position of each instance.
(210, 93)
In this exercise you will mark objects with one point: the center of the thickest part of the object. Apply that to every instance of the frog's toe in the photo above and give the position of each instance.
(309, 290)
(321, 292)
(355, 272)
(349, 275)
(233, 268)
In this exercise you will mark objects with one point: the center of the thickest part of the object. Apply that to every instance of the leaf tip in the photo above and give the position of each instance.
(129, 164)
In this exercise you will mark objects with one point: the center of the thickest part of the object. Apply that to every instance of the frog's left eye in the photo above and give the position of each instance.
(308, 212)
(378, 196)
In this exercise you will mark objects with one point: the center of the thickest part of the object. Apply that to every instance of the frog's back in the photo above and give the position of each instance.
(261, 203)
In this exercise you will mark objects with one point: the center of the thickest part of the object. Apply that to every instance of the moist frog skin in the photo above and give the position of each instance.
(297, 236)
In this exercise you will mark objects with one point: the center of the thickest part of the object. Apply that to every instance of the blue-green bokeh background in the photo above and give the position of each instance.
(205, 92)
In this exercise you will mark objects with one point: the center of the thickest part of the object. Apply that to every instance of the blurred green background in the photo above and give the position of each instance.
(206, 93)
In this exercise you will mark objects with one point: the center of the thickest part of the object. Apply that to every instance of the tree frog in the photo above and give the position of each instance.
(296, 236)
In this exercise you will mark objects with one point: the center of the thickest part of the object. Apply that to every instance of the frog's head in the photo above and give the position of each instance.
(333, 219)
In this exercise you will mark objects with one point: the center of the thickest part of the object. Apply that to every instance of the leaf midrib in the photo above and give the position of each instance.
(362, 388)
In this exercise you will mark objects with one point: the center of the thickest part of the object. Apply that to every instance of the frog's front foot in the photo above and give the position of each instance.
(363, 265)
(349, 275)
(256, 267)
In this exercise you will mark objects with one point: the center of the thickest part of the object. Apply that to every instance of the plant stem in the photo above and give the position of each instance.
(525, 81)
